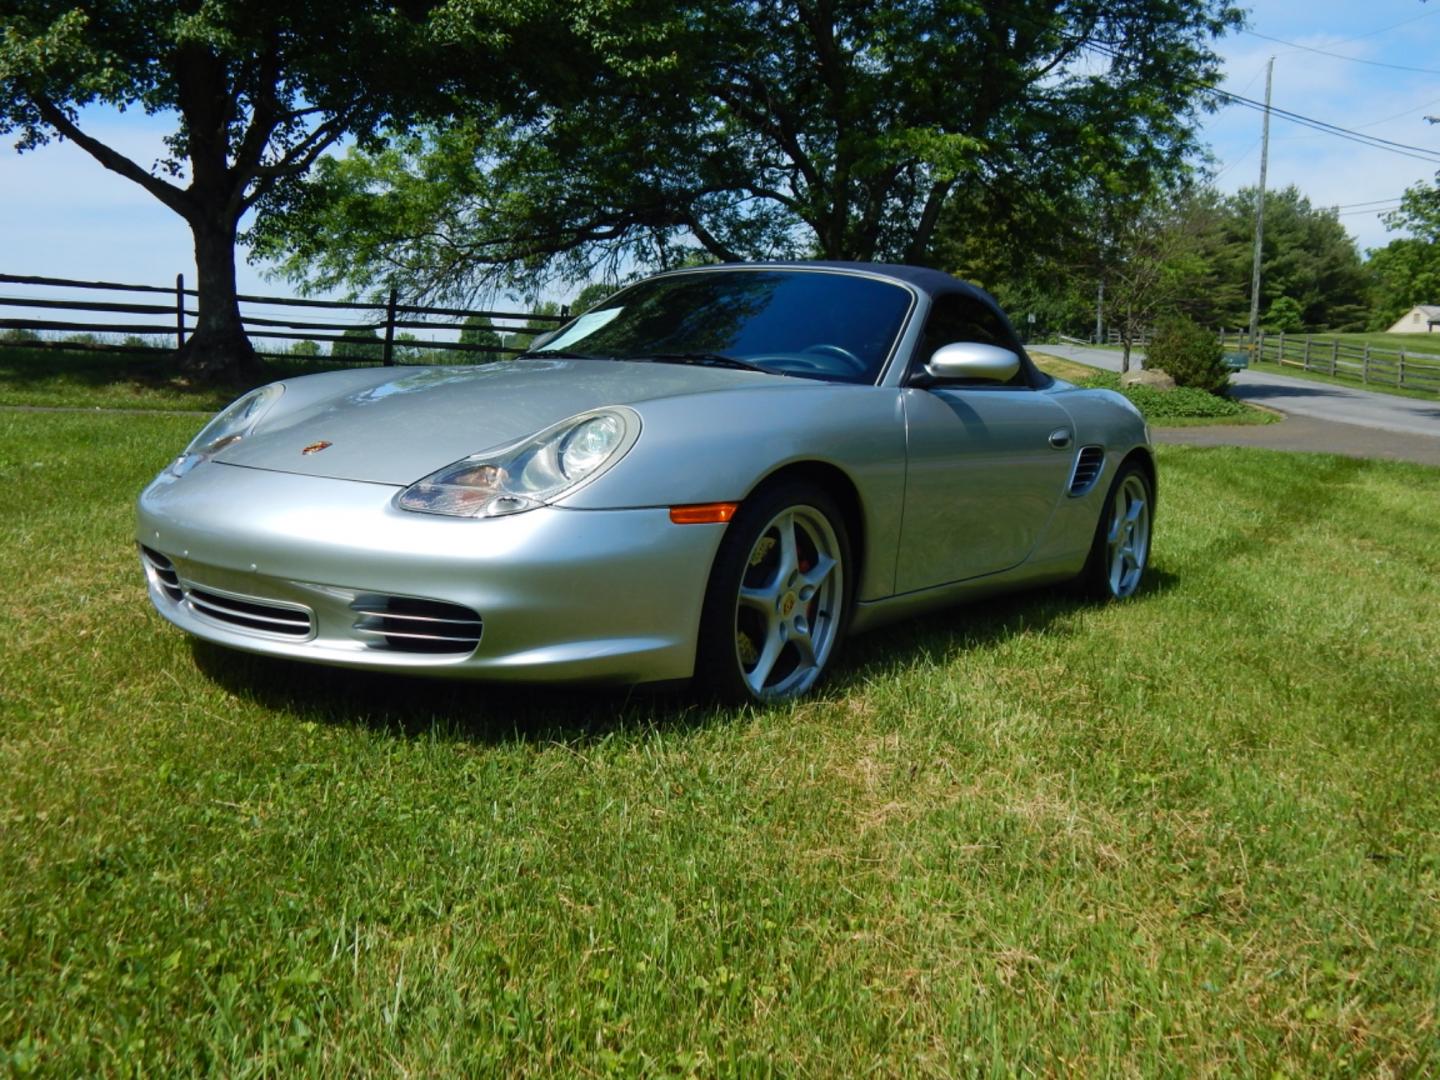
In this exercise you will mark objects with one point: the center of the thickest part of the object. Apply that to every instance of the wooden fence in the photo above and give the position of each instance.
(1367, 364)
(175, 317)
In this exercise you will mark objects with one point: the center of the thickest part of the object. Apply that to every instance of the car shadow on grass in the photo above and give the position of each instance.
(493, 713)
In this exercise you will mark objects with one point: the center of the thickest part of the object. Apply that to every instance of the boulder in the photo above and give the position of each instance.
(1147, 377)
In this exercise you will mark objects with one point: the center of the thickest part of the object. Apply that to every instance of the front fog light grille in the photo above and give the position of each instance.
(162, 570)
(405, 624)
(250, 614)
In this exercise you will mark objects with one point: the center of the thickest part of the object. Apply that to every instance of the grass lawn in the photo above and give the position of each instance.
(1196, 833)
(99, 380)
(1419, 344)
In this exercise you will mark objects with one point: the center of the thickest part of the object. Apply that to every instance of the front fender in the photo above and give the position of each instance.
(717, 447)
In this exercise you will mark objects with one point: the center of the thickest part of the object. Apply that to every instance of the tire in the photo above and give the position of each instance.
(1120, 551)
(778, 600)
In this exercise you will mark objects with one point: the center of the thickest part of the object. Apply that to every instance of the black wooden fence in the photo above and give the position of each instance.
(175, 317)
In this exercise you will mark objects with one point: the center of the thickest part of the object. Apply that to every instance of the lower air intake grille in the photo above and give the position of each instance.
(163, 571)
(404, 624)
(1088, 464)
(250, 614)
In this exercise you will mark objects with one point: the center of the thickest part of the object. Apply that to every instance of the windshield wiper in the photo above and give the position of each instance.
(701, 359)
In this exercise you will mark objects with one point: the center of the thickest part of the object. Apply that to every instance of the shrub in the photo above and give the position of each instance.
(359, 343)
(1181, 403)
(19, 337)
(1189, 354)
(1285, 316)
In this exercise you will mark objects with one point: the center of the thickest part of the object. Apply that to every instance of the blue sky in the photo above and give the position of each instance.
(62, 215)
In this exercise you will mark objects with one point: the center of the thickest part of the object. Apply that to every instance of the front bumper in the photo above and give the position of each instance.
(564, 595)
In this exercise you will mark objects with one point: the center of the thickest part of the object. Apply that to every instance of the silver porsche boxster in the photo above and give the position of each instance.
(717, 473)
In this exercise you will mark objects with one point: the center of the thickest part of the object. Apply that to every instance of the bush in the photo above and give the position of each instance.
(1285, 316)
(1181, 403)
(19, 337)
(1178, 404)
(359, 343)
(1189, 354)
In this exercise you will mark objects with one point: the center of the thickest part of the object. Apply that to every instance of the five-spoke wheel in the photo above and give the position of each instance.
(1121, 548)
(775, 609)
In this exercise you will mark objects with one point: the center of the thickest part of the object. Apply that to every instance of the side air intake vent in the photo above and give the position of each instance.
(405, 624)
(1088, 464)
(162, 570)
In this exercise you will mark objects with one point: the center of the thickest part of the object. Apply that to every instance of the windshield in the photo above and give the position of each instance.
(810, 323)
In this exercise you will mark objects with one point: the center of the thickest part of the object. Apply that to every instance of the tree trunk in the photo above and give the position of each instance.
(218, 351)
(1126, 338)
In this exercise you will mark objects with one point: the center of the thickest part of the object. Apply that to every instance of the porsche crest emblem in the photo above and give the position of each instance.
(315, 447)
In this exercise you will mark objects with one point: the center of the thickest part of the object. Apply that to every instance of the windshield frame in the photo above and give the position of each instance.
(881, 370)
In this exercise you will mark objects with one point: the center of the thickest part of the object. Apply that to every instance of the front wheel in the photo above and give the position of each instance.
(775, 609)
(1120, 551)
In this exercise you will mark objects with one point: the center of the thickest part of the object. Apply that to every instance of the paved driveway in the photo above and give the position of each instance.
(1300, 397)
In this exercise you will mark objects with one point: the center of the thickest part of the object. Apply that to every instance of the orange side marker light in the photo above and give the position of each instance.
(703, 513)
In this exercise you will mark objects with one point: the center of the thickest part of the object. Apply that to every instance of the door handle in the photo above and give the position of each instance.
(1060, 438)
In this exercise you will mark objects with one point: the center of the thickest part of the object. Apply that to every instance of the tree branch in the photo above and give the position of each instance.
(177, 199)
(314, 144)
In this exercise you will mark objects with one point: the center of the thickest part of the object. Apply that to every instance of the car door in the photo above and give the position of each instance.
(986, 463)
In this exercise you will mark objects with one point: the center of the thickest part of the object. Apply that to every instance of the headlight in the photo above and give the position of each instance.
(230, 425)
(528, 474)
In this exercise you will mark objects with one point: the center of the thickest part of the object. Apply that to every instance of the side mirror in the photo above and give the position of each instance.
(541, 339)
(972, 360)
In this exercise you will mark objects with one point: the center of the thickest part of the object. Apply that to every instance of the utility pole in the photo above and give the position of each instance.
(1260, 209)
(1100, 313)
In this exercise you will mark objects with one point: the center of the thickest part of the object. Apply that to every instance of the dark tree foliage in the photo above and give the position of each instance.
(480, 331)
(259, 89)
(1186, 251)
(829, 128)
(359, 343)
(1307, 256)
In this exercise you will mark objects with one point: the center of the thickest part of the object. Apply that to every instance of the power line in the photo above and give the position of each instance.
(1237, 160)
(1397, 116)
(1341, 56)
(1419, 153)
(1372, 202)
(1387, 29)
(1376, 212)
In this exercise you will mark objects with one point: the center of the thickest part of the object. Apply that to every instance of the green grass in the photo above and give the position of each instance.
(1340, 380)
(1069, 370)
(1420, 344)
(1196, 833)
(60, 378)
(1181, 407)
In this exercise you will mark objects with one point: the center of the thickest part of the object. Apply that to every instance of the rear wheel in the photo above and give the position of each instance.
(1120, 551)
(776, 605)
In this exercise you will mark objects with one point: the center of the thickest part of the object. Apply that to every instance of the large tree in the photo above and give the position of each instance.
(1189, 251)
(831, 128)
(1308, 257)
(1406, 271)
(259, 90)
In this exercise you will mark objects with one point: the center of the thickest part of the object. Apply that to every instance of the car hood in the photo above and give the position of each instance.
(403, 428)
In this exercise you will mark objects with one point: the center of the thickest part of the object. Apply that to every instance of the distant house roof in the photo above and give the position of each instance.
(1430, 311)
